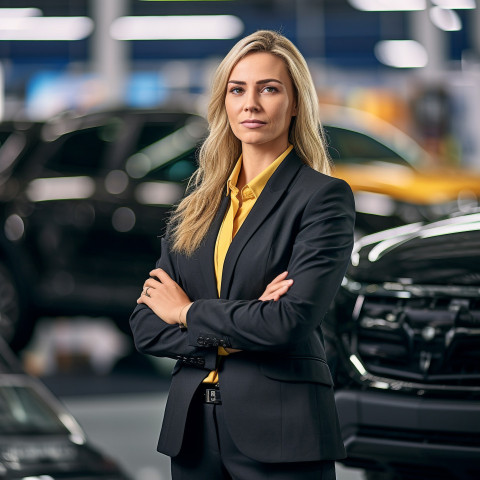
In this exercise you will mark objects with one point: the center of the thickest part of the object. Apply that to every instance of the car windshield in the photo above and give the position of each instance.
(355, 148)
(23, 411)
(166, 155)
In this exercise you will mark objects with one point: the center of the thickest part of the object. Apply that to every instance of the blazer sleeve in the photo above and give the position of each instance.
(320, 256)
(153, 336)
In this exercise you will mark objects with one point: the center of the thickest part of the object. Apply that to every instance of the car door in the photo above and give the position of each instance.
(68, 208)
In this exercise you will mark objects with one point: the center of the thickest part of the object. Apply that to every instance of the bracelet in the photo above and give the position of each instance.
(182, 325)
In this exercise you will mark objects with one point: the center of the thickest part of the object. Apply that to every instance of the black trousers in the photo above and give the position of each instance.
(208, 453)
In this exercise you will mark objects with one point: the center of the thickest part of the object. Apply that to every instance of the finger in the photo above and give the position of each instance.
(279, 278)
(147, 291)
(284, 284)
(152, 283)
(278, 282)
(280, 293)
(273, 286)
(277, 294)
(162, 275)
(146, 300)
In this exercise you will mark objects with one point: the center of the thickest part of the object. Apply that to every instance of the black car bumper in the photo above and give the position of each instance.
(393, 431)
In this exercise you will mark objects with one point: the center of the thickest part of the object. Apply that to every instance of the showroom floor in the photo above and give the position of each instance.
(117, 395)
(126, 427)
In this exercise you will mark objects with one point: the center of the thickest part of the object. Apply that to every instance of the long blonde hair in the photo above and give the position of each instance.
(192, 218)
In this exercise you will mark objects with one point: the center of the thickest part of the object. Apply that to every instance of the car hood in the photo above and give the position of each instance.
(423, 187)
(35, 456)
(446, 252)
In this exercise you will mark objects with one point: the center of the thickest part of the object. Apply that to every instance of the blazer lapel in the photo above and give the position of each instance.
(206, 251)
(271, 194)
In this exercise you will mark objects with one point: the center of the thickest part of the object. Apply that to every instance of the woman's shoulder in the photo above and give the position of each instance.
(310, 179)
(317, 192)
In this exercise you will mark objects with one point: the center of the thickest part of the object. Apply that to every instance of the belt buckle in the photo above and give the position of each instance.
(212, 396)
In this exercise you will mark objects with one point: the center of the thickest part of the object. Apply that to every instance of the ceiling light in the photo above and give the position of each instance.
(177, 27)
(401, 53)
(388, 5)
(455, 4)
(445, 19)
(19, 12)
(45, 28)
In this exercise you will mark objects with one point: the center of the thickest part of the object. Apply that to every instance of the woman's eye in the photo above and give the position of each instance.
(236, 90)
(270, 89)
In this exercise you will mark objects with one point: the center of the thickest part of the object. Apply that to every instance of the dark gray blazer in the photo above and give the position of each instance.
(277, 393)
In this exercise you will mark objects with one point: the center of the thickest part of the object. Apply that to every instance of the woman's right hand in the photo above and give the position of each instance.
(276, 288)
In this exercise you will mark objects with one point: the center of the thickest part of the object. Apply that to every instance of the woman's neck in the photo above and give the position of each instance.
(255, 160)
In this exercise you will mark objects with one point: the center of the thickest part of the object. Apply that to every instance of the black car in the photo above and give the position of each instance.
(39, 439)
(84, 198)
(82, 205)
(405, 331)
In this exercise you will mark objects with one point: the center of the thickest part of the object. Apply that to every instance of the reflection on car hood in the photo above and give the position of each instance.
(443, 252)
(424, 187)
(31, 451)
(43, 455)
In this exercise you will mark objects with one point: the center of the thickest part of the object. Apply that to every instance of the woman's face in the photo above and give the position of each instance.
(260, 101)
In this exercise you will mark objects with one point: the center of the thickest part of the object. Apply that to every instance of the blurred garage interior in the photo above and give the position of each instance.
(102, 106)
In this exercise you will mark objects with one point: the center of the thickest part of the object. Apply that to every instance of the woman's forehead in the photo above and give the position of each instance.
(257, 64)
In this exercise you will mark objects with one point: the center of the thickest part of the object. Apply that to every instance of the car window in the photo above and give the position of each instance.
(350, 147)
(178, 170)
(81, 152)
(164, 154)
(153, 132)
(22, 410)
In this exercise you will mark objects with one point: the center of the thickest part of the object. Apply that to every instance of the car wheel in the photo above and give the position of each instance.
(15, 326)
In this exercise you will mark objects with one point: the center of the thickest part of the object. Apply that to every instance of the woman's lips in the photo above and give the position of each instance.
(253, 123)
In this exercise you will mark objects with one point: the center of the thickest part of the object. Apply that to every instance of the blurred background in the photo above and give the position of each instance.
(102, 105)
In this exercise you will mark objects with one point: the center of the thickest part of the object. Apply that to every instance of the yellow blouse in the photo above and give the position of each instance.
(241, 203)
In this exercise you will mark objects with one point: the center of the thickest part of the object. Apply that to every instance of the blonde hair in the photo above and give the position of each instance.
(218, 154)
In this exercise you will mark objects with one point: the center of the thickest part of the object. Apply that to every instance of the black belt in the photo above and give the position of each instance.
(212, 393)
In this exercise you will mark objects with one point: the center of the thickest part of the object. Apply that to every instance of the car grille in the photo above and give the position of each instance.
(418, 335)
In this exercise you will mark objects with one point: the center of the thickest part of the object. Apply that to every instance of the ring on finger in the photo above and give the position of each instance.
(145, 292)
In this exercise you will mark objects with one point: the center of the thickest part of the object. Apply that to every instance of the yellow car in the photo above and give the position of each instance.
(391, 176)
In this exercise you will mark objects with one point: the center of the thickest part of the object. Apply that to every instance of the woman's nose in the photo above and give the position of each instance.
(251, 103)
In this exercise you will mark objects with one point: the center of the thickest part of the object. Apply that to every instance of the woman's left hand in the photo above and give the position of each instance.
(165, 297)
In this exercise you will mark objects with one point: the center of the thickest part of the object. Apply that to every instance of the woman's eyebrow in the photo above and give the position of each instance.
(259, 82)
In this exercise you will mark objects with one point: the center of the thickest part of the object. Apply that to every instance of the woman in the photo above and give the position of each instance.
(251, 394)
